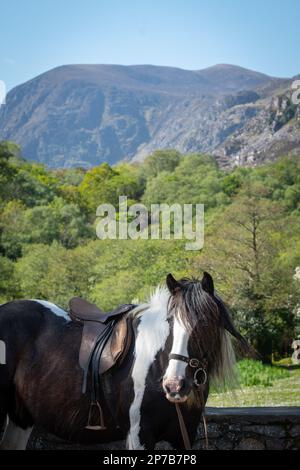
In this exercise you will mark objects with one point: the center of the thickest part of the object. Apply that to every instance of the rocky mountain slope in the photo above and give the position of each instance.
(81, 115)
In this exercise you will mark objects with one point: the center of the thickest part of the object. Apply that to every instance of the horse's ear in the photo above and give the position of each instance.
(172, 284)
(208, 283)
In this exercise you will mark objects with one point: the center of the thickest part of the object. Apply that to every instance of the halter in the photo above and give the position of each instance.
(194, 363)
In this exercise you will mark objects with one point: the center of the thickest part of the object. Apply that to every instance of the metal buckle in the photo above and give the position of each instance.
(204, 376)
(194, 363)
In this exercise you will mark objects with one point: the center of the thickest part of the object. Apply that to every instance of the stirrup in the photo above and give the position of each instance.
(90, 426)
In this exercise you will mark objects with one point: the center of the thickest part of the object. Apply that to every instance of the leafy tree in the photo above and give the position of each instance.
(33, 185)
(129, 269)
(104, 184)
(72, 223)
(31, 270)
(12, 229)
(159, 161)
(29, 183)
(195, 180)
(8, 151)
(232, 182)
(55, 273)
(246, 259)
(8, 287)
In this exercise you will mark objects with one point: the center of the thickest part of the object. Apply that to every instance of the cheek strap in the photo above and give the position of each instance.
(192, 362)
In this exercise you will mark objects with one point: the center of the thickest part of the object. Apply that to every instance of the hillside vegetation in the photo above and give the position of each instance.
(49, 248)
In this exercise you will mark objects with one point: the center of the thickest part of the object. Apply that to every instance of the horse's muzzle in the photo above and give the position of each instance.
(176, 389)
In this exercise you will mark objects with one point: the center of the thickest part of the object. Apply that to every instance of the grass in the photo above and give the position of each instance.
(260, 385)
(253, 373)
(287, 361)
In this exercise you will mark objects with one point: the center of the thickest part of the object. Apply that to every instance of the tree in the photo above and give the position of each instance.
(104, 184)
(31, 270)
(8, 151)
(72, 224)
(195, 180)
(159, 161)
(27, 182)
(8, 286)
(244, 251)
(54, 273)
(126, 270)
(12, 229)
(34, 185)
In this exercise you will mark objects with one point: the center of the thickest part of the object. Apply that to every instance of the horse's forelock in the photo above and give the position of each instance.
(191, 304)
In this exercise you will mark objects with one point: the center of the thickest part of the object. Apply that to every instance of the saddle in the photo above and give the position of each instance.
(106, 338)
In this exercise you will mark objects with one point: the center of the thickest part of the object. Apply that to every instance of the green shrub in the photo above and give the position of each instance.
(252, 373)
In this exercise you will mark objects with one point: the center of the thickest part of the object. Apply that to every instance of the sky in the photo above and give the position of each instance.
(37, 35)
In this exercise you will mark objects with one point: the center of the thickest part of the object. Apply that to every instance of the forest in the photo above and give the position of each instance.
(49, 248)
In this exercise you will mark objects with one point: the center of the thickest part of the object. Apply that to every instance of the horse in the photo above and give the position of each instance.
(182, 342)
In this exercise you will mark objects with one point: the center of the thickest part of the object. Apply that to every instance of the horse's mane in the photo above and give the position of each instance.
(158, 299)
(211, 338)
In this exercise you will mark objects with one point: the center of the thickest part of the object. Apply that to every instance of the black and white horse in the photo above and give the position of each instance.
(181, 343)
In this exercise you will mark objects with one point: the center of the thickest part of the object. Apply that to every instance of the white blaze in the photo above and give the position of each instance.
(177, 368)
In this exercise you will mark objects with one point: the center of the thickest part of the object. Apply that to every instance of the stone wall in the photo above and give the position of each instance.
(275, 428)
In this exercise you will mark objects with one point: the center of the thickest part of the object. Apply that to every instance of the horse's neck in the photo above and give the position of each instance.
(153, 340)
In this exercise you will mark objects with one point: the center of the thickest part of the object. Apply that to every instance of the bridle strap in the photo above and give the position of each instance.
(179, 357)
(184, 433)
(183, 429)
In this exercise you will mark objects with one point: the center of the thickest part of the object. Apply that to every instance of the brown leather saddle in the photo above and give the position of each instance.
(106, 338)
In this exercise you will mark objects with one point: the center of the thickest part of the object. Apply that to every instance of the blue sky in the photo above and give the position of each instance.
(37, 35)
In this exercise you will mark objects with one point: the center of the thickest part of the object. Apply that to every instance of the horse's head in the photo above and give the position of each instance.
(201, 347)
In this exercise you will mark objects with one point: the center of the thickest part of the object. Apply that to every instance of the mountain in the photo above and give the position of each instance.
(82, 115)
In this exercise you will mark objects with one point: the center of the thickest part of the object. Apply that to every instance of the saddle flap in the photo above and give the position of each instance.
(117, 346)
(91, 331)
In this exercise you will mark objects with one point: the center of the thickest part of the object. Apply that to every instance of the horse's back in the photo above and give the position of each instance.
(24, 326)
(32, 311)
(18, 318)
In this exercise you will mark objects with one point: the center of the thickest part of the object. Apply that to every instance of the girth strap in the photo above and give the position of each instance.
(96, 388)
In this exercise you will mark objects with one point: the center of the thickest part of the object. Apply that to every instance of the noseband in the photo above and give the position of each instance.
(194, 363)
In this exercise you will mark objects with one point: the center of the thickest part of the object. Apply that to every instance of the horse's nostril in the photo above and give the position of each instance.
(174, 386)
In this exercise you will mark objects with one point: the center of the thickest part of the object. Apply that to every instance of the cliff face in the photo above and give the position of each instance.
(82, 115)
(272, 129)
